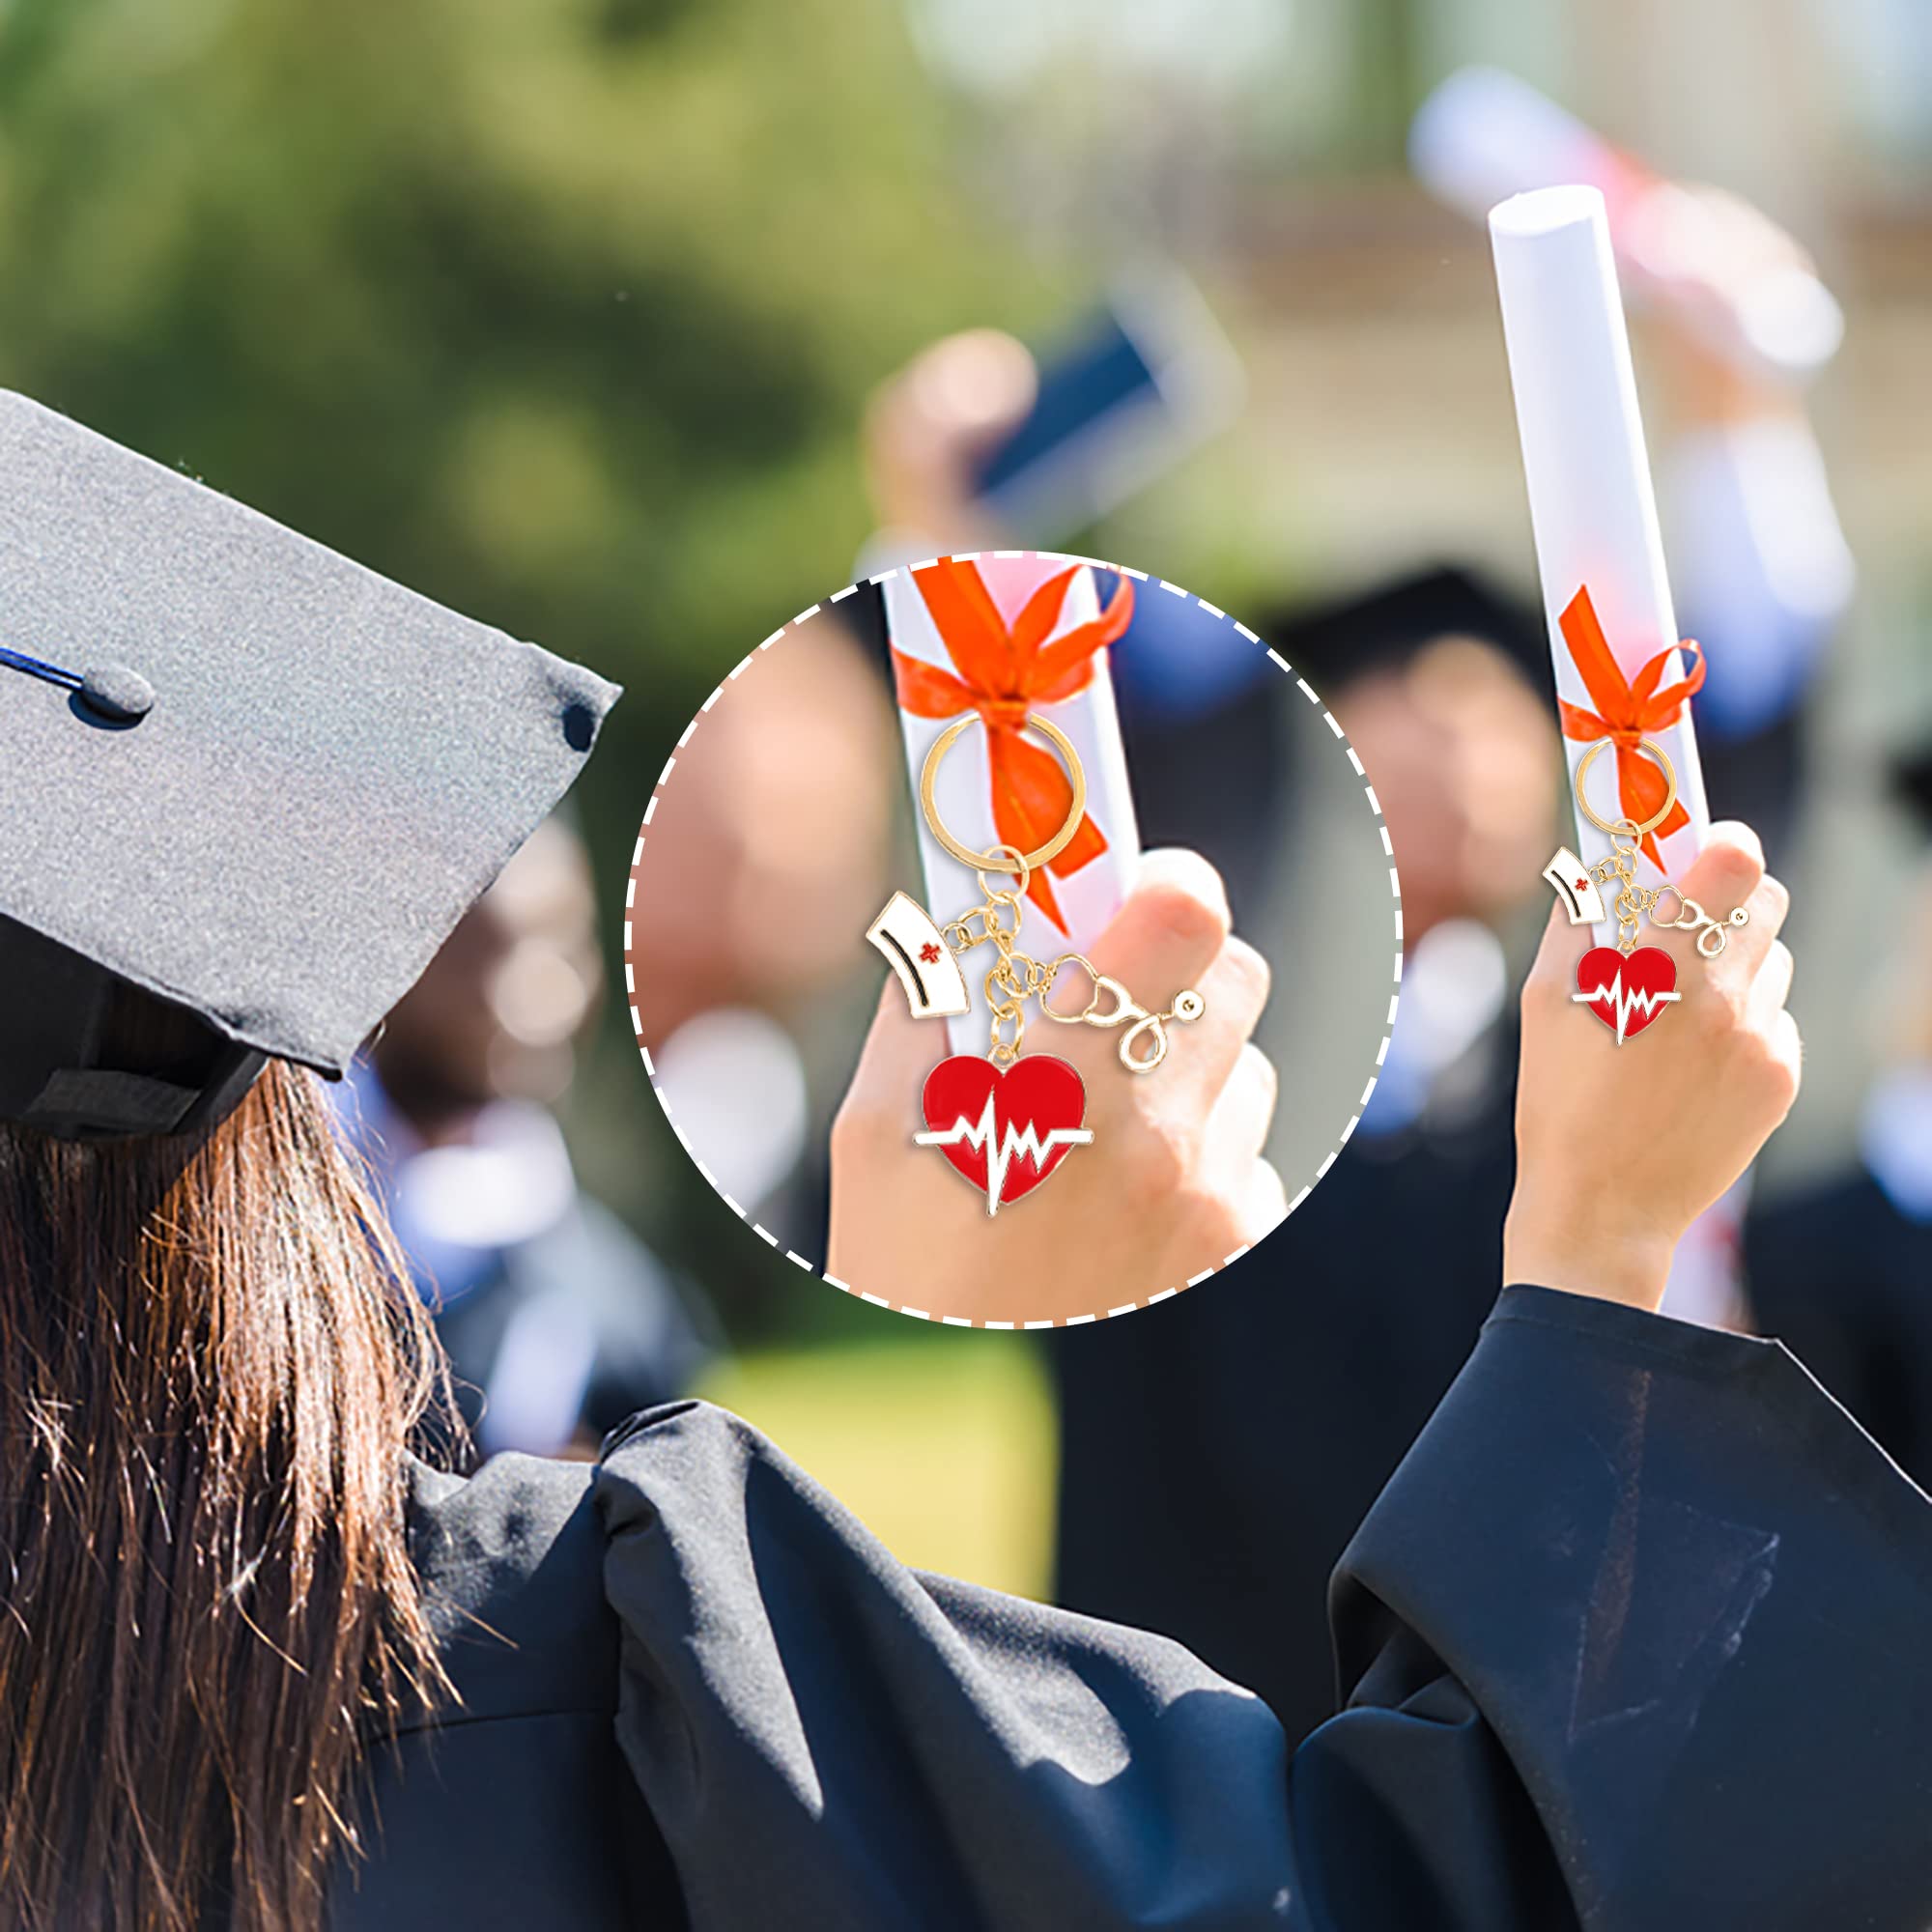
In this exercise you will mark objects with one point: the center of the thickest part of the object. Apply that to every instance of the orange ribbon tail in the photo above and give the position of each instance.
(1627, 711)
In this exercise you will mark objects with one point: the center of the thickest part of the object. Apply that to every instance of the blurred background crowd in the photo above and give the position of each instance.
(626, 324)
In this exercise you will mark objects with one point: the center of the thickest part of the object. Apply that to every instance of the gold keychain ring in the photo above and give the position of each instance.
(988, 862)
(1659, 757)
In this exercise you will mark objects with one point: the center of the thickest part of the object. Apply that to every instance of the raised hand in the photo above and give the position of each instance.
(1620, 1148)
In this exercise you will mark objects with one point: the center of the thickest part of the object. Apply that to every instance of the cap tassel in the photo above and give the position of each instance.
(13, 660)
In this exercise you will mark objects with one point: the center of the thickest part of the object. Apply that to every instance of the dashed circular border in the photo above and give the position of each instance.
(763, 1233)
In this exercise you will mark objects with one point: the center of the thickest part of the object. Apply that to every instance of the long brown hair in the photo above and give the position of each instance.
(210, 1374)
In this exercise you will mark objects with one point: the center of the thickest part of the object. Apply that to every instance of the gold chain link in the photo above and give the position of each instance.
(1636, 902)
(1632, 900)
(1015, 977)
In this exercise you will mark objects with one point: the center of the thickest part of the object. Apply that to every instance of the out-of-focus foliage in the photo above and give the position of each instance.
(561, 314)
(967, 1488)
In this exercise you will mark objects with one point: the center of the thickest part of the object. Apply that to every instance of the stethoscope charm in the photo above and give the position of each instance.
(1006, 1124)
(1628, 986)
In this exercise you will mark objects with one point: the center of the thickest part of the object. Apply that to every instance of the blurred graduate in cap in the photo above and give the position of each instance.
(558, 1323)
(1635, 1637)
(1842, 1268)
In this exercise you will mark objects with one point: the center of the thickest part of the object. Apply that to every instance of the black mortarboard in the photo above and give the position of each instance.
(1384, 626)
(249, 786)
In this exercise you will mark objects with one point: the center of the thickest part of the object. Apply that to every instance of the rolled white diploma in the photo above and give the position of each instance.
(1595, 518)
(1591, 503)
(1087, 899)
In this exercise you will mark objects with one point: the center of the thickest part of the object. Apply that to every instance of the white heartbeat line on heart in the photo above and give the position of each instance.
(1013, 1143)
(1624, 1004)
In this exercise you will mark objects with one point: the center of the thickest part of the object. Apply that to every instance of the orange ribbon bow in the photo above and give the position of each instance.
(1004, 674)
(1625, 712)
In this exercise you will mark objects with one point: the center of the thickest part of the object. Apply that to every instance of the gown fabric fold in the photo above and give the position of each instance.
(1635, 1637)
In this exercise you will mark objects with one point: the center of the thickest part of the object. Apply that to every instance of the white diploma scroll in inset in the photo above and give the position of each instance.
(1590, 500)
(1089, 897)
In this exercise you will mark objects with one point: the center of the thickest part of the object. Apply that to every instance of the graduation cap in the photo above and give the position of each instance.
(1386, 625)
(246, 787)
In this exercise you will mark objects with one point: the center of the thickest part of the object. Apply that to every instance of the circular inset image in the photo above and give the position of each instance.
(1014, 940)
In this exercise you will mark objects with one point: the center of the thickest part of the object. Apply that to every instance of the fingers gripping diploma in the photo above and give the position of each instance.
(1618, 1152)
(1171, 1183)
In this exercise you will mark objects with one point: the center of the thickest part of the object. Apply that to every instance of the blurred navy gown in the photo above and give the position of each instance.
(1843, 1272)
(1635, 1637)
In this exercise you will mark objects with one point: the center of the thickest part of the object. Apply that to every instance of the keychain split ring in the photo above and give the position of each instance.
(1021, 872)
(982, 862)
(1659, 756)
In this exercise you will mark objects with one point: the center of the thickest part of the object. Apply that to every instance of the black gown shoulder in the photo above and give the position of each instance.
(515, 1808)
(1634, 1639)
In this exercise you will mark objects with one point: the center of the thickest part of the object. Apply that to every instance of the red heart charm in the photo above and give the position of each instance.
(1626, 990)
(1006, 1128)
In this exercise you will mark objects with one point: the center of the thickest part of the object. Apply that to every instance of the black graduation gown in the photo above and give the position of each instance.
(1219, 1450)
(1636, 1637)
(1845, 1277)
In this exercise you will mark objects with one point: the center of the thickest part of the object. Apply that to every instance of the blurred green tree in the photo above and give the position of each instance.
(561, 314)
